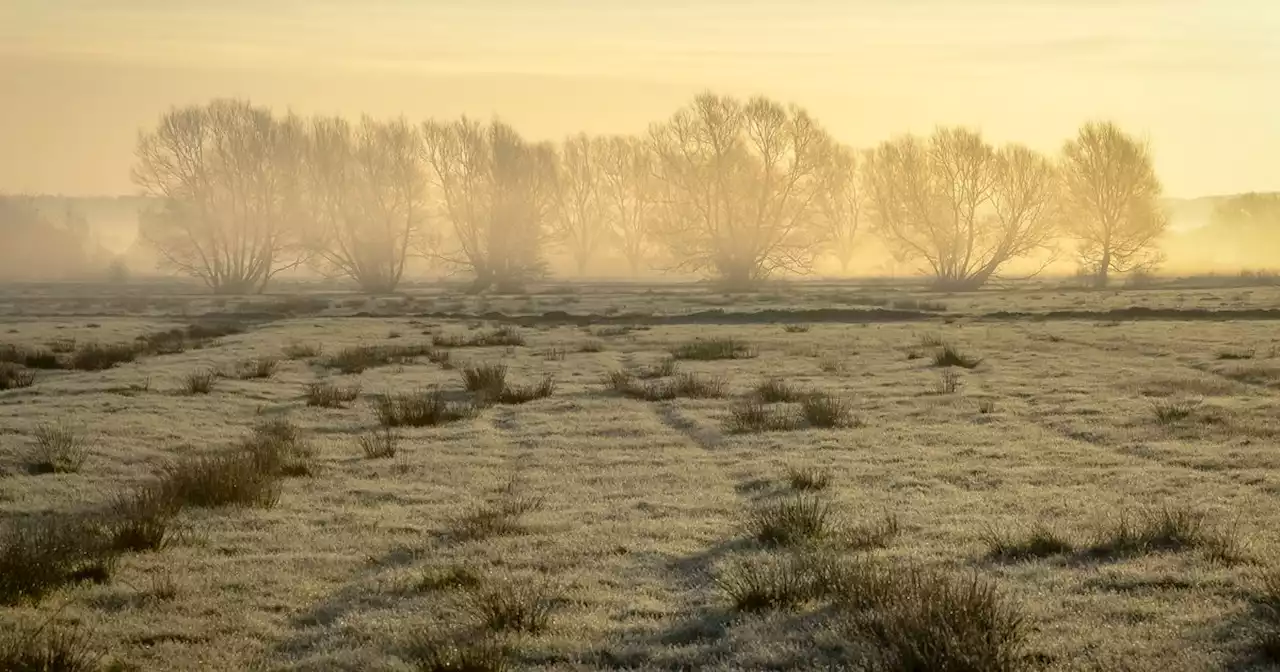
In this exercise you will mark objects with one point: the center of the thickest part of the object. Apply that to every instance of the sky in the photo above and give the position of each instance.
(1198, 79)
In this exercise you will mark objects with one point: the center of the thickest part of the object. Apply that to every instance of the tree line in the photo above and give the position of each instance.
(738, 190)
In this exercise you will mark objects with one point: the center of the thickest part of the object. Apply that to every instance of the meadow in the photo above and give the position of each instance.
(641, 477)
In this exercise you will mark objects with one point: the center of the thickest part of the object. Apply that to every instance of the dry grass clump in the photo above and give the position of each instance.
(453, 577)
(502, 337)
(520, 394)
(1235, 354)
(949, 382)
(200, 381)
(513, 607)
(299, 350)
(278, 447)
(1040, 541)
(1169, 411)
(792, 521)
(379, 443)
(255, 369)
(775, 390)
(96, 357)
(753, 416)
(1170, 529)
(48, 648)
(59, 450)
(420, 408)
(489, 379)
(769, 583)
(500, 517)
(663, 369)
(13, 376)
(687, 385)
(330, 395)
(465, 653)
(713, 348)
(231, 478)
(877, 534)
(31, 358)
(39, 555)
(141, 521)
(948, 355)
(808, 478)
(357, 358)
(827, 411)
(796, 328)
(591, 346)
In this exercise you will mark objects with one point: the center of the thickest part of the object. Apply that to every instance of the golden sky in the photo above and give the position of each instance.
(1199, 78)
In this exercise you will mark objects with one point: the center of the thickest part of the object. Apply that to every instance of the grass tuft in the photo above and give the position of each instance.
(141, 521)
(1169, 411)
(453, 577)
(775, 390)
(714, 348)
(330, 395)
(379, 443)
(1039, 542)
(487, 379)
(298, 350)
(949, 382)
(521, 394)
(498, 518)
(513, 607)
(432, 654)
(48, 649)
(256, 369)
(948, 355)
(793, 521)
(420, 408)
(808, 478)
(827, 411)
(39, 555)
(1170, 529)
(59, 450)
(753, 416)
(796, 328)
(764, 584)
(200, 381)
(14, 376)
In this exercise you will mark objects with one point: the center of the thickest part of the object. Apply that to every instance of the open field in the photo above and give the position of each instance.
(666, 506)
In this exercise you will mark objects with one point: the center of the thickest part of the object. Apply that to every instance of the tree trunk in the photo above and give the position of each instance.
(1104, 270)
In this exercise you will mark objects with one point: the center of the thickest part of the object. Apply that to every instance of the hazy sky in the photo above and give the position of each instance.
(1199, 79)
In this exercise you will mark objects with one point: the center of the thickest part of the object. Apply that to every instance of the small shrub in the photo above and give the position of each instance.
(664, 369)
(808, 478)
(827, 411)
(39, 555)
(453, 577)
(141, 521)
(620, 381)
(59, 450)
(795, 328)
(765, 584)
(714, 348)
(498, 518)
(751, 416)
(48, 648)
(256, 369)
(13, 377)
(513, 607)
(297, 350)
(379, 443)
(793, 521)
(1168, 530)
(329, 395)
(95, 357)
(200, 381)
(1039, 542)
(774, 390)
(232, 478)
(462, 654)
(420, 408)
(485, 378)
(689, 385)
(520, 394)
(591, 346)
(949, 355)
(37, 358)
(949, 382)
(1169, 411)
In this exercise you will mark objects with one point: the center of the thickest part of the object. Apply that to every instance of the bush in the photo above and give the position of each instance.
(751, 416)
(13, 377)
(774, 390)
(200, 381)
(379, 443)
(485, 378)
(949, 355)
(420, 408)
(793, 521)
(329, 395)
(48, 649)
(59, 450)
(513, 607)
(41, 554)
(715, 348)
(94, 357)
(1040, 542)
(827, 411)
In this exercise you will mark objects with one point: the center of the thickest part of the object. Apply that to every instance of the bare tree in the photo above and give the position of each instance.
(740, 185)
(498, 192)
(629, 196)
(367, 192)
(1112, 200)
(580, 222)
(226, 176)
(959, 205)
(841, 203)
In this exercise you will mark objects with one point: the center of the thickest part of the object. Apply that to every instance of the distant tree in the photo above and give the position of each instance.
(367, 197)
(37, 245)
(740, 184)
(1112, 201)
(959, 205)
(841, 204)
(629, 194)
(1249, 216)
(226, 176)
(580, 222)
(498, 193)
